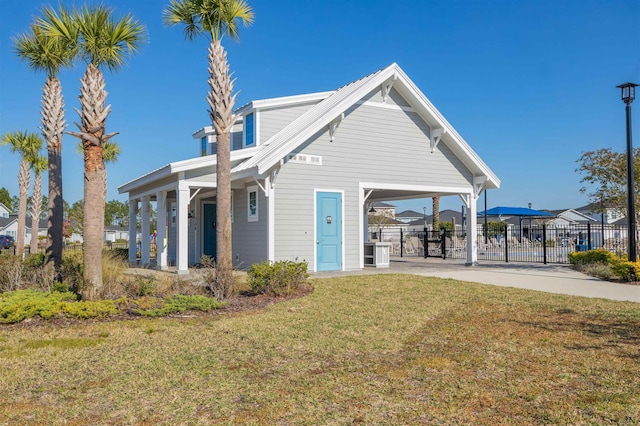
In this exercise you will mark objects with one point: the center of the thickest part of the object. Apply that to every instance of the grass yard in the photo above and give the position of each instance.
(385, 349)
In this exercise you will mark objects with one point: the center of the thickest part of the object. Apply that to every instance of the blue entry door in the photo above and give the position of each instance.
(329, 231)
(209, 230)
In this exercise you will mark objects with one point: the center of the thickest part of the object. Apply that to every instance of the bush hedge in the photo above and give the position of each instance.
(619, 267)
(278, 278)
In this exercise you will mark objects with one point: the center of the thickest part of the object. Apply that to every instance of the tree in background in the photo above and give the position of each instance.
(216, 18)
(103, 42)
(5, 197)
(26, 144)
(116, 213)
(44, 51)
(38, 165)
(75, 217)
(605, 178)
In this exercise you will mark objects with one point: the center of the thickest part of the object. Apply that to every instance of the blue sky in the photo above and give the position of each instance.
(530, 84)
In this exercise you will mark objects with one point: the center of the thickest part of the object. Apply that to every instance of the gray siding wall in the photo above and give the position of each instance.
(274, 120)
(250, 239)
(372, 144)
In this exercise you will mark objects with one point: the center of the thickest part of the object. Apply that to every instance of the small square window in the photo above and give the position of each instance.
(252, 204)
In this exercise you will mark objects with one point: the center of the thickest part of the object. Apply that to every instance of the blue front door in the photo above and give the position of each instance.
(329, 231)
(209, 230)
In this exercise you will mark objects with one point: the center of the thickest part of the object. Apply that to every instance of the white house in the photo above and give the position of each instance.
(4, 211)
(304, 171)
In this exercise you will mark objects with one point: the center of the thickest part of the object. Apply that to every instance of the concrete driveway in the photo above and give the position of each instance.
(561, 279)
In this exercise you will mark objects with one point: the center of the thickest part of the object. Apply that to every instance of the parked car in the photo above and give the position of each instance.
(6, 241)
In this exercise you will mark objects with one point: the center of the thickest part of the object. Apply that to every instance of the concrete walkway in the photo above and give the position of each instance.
(561, 279)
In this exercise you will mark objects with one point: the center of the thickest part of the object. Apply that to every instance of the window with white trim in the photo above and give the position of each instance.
(252, 204)
(249, 130)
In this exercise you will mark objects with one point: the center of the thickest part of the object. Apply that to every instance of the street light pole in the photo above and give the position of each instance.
(628, 95)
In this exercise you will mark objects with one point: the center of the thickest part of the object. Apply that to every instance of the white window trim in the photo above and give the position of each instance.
(255, 217)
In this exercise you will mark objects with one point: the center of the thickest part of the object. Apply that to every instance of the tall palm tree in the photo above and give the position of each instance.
(214, 19)
(26, 144)
(104, 42)
(50, 53)
(38, 164)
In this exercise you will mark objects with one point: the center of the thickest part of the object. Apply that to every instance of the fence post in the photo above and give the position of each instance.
(425, 243)
(544, 242)
(588, 236)
(401, 242)
(506, 245)
(443, 243)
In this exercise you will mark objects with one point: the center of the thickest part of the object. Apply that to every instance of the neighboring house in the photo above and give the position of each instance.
(611, 215)
(382, 209)
(9, 226)
(569, 217)
(408, 216)
(304, 171)
(4, 211)
(115, 233)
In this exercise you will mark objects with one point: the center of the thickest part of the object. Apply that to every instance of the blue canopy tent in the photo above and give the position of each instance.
(515, 211)
(518, 212)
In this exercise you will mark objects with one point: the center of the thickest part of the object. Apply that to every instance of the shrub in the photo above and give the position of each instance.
(591, 256)
(72, 270)
(598, 270)
(18, 305)
(178, 304)
(626, 270)
(282, 277)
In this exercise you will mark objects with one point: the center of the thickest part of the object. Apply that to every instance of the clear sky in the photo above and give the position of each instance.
(529, 84)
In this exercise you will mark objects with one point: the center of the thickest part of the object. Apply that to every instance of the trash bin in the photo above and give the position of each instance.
(581, 247)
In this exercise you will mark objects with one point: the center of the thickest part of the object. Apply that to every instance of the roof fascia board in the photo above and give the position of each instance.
(150, 177)
(283, 101)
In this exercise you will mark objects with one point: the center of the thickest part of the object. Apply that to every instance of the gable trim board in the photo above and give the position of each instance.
(349, 129)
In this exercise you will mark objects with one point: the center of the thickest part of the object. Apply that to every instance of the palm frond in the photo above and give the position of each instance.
(106, 40)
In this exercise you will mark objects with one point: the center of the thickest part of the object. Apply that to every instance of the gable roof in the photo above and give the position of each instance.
(409, 213)
(333, 106)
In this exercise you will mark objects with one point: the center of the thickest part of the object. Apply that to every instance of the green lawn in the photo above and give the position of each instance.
(387, 349)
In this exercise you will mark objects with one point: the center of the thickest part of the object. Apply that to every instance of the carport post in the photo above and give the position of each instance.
(401, 242)
(544, 243)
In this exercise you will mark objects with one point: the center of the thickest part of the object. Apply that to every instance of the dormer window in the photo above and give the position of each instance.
(249, 130)
(203, 146)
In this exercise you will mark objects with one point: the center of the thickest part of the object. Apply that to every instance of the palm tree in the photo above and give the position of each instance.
(44, 52)
(104, 41)
(26, 144)
(214, 19)
(38, 164)
(436, 213)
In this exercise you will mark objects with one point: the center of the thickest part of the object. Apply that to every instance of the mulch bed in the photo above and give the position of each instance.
(242, 302)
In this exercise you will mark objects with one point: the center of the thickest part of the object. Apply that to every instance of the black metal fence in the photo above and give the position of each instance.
(532, 243)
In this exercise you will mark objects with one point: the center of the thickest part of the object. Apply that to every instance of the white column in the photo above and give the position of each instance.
(133, 210)
(472, 231)
(271, 202)
(161, 236)
(145, 243)
(182, 228)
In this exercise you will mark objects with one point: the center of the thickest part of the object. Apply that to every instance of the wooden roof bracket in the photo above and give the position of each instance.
(434, 136)
(333, 126)
(386, 87)
(263, 187)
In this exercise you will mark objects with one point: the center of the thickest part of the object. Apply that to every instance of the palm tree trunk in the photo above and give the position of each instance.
(53, 125)
(23, 184)
(221, 102)
(36, 206)
(436, 213)
(93, 221)
(92, 134)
